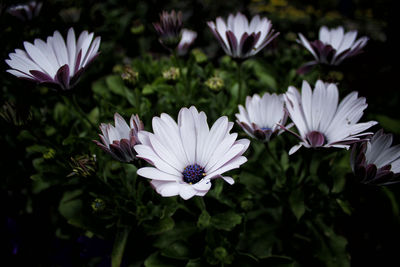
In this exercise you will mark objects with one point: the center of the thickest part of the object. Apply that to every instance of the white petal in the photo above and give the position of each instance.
(156, 174)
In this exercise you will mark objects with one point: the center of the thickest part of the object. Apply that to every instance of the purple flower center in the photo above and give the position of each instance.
(315, 139)
(192, 174)
(266, 129)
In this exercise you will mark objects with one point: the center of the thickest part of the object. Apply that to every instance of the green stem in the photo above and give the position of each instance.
(119, 246)
(239, 75)
(266, 144)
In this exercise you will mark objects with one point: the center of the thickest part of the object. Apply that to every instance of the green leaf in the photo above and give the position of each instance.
(345, 206)
(70, 205)
(161, 226)
(204, 220)
(296, 201)
(226, 221)
(389, 124)
(154, 261)
(177, 250)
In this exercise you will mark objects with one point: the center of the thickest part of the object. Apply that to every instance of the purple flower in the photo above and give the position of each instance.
(241, 39)
(376, 161)
(169, 28)
(321, 120)
(120, 139)
(332, 47)
(55, 62)
(187, 155)
(171, 33)
(26, 11)
(262, 116)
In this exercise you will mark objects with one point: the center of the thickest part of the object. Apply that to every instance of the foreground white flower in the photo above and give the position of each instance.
(262, 116)
(187, 155)
(241, 39)
(321, 122)
(120, 139)
(376, 161)
(55, 62)
(333, 46)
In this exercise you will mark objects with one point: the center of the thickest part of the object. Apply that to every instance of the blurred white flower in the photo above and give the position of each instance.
(187, 155)
(376, 161)
(333, 46)
(26, 11)
(186, 41)
(241, 39)
(321, 122)
(55, 62)
(262, 116)
(120, 139)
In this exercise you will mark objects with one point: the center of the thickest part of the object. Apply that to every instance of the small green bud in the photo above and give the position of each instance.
(129, 75)
(215, 83)
(98, 205)
(171, 74)
(49, 154)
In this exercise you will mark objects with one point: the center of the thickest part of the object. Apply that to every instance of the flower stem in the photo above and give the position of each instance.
(239, 76)
(266, 144)
(119, 246)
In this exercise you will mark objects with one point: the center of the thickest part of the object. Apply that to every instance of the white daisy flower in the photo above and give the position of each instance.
(186, 41)
(55, 62)
(262, 116)
(120, 139)
(321, 122)
(187, 155)
(333, 46)
(376, 161)
(241, 39)
(26, 11)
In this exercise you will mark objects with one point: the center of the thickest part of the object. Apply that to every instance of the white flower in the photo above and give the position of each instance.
(186, 41)
(55, 62)
(26, 11)
(376, 161)
(333, 46)
(187, 155)
(241, 39)
(262, 116)
(119, 141)
(321, 122)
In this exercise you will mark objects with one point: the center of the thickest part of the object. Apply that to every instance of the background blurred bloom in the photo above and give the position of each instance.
(186, 41)
(120, 139)
(169, 28)
(55, 62)
(241, 39)
(321, 122)
(171, 34)
(376, 161)
(332, 47)
(187, 155)
(26, 11)
(261, 116)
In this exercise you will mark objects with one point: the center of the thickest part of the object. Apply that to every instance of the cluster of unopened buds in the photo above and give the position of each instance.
(187, 154)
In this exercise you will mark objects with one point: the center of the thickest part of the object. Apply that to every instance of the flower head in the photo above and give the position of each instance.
(186, 41)
(262, 116)
(55, 62)
(332, 47)
(120, 139)
(26, 11)
(376, 161)
(169, 28)
(241, 39)
(187, 155)
(321, 122)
